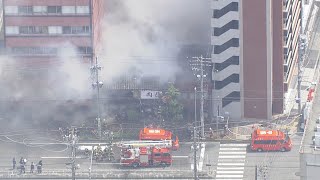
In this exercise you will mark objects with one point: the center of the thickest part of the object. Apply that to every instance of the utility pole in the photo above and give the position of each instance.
(214, 71)
(201, 76)
(91, 157)
(299, 84)
(202, 99)
(73, 153)
(256, 173)
(97, 84)
(195, 169)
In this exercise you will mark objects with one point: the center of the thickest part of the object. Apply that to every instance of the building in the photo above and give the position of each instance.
(34, 30)
(255, 49)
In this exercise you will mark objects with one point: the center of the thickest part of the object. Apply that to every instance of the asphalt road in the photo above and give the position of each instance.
(279, 165)
(56, 156)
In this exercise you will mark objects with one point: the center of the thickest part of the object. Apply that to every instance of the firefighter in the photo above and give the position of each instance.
(86, 152)
(39, 167)
(14, 162)
(32, 167)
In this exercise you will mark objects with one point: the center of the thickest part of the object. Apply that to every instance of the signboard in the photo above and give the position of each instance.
(149, 94)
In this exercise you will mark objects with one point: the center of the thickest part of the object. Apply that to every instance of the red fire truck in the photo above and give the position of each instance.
(270, 140)
(145, 153)
(158, 134)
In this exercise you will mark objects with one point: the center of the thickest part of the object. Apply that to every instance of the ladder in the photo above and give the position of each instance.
(143, 143)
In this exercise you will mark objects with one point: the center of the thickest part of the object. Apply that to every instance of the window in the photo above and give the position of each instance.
(40, 9)
(54, 10)
(40, 30)
(76, 30)
(33, 30)
(80, 30)
(25, 10)
(11, 10)
(157, 155)
(11, 30)
(82, 9)
(55, 29)
(66, 30)
(85, 50)
(68, 9)
(24, 29)
(262, 142)
(34, 50)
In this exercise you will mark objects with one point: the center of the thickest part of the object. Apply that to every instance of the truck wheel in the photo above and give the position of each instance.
(259, 150)
(163, 164)
(135, 165)
(283, 149)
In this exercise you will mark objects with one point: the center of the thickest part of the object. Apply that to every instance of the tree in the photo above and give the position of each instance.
(172, 109)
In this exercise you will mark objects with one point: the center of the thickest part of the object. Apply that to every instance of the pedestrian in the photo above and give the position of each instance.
(31, 167)
(39, 167)
(21, 160)
(22, 168)
(14, 162)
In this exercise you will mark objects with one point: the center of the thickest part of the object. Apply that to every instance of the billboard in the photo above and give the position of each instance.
(149, 94)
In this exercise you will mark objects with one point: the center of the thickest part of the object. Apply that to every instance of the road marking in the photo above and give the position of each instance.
(233, 152)
(180, 156)
(231, 160)
(228, 179)
(233, 149)
(60, 157)
(230, 164)
(229, 172)
(228, 176)
(232, 156)
(230, 168)
(235, 145)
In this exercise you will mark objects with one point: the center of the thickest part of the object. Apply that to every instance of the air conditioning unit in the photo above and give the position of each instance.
(318, 127)
(317, 139)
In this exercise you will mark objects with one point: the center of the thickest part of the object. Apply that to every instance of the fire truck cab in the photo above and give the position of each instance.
(157, 134)
(145, 154)
(270, 140)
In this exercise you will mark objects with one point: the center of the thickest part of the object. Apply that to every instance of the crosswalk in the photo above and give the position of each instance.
(231, 161)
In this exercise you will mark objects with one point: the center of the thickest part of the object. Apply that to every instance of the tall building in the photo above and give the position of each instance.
(36, 29)
(255, 50)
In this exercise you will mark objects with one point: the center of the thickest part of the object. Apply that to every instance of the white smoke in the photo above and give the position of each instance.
(70, 80)
(148, 34)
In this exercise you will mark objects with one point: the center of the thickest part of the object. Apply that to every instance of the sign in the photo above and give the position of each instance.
(152, 131)
(148, 94)
(265, 132)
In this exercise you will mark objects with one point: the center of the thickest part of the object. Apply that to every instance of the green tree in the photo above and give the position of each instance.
(172, 109)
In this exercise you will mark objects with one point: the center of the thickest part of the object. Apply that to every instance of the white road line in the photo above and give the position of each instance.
(229, 172)
(231, 160)
(232, 157)
(230, 168)
(59, 157)
(228, 176)
(233, 149)
(234, 145)
(232, 152)
(180, 156)
(230, 164)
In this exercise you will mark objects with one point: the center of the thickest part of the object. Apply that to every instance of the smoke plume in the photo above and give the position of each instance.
(148, 34)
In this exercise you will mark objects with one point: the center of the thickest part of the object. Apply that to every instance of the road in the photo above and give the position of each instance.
(279, 165)
(56, 156)
(220, 160)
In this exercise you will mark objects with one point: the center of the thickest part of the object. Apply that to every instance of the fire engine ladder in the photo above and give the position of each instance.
(143, 143)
